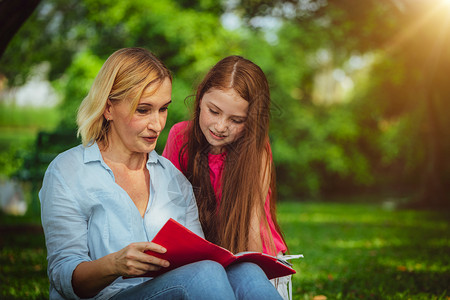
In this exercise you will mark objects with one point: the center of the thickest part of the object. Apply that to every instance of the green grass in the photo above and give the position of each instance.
(23, 264)
(352, 251)
(13, 116)
(357, 251)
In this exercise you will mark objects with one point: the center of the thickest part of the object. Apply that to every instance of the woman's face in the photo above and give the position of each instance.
(138, 131)
(223, 114)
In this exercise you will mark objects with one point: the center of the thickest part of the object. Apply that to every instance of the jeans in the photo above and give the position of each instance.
(205, 280)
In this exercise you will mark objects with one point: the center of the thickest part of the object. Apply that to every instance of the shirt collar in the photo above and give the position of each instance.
(154, 158)
(92, 153)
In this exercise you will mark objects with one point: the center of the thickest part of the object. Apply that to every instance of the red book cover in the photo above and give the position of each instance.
(184, 247)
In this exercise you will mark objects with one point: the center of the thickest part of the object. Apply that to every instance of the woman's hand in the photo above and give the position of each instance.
(132, 261)
(90, 277)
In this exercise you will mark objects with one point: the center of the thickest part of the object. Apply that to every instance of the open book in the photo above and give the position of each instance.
(185, 247)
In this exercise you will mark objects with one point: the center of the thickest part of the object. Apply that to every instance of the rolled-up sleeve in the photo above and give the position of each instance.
(65, 228)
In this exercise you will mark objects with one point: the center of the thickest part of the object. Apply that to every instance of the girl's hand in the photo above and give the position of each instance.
(132, 261)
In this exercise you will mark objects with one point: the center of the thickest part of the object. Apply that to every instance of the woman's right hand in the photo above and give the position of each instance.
(90, 277)
(132, 261)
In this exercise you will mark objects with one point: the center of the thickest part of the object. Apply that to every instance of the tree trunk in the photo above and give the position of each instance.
(13, 13)
(432, 191)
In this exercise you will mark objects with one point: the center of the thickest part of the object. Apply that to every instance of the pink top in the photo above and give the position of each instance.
(176, 139)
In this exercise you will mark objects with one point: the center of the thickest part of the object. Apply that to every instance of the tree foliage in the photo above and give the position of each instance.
(388, 131)
(398, 112)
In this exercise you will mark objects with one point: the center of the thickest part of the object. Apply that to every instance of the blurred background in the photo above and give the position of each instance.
(360, 126)
(360, 89)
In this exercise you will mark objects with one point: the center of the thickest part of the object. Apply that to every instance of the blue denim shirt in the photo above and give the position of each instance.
(86, 215)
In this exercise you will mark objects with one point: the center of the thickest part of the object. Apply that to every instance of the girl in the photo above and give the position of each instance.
(225, 153)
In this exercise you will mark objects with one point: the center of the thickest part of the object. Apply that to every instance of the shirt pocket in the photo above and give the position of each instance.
(109, 227)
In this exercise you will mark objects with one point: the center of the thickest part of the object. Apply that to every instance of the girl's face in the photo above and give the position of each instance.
(138, 132)
(222, 117)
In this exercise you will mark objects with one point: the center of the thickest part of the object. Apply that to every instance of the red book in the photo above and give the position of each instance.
(185, 247)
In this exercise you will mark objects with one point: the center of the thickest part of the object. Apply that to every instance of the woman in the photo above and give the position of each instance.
(104, 201)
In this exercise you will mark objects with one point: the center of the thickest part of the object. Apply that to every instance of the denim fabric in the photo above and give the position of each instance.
(206, 280)
(249, 282)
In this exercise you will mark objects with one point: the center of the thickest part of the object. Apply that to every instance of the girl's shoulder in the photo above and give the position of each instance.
(178, 134)
(180, 128)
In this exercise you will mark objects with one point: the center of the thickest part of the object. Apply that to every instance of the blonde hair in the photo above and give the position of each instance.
(123, 76)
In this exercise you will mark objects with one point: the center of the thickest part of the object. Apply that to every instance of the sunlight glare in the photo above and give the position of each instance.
(434, 14)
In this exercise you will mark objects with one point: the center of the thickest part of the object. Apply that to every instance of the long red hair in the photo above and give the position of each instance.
(242, 193)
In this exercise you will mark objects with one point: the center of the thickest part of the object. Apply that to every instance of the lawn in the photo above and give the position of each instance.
(357, 251)
(352, 251)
